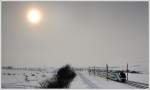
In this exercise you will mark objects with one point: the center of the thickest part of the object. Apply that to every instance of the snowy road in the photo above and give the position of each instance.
(87, 81)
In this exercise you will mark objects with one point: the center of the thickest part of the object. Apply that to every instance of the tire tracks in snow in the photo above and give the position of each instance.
(87, 81)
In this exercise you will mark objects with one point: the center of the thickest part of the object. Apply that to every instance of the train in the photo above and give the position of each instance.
(117, 76)
(114, 75)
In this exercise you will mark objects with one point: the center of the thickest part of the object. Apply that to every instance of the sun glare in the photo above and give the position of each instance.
(34, 16)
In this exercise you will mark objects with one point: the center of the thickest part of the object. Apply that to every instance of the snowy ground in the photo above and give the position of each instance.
(143, 78)
(31, 79)
(23, 78)
(92, 81)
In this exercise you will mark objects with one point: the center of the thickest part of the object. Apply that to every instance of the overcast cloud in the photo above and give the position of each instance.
(78, 33)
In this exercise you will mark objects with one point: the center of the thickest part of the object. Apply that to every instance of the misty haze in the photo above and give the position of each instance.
(84, 44)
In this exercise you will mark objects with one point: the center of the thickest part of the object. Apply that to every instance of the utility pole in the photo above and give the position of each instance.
(89, 71)
(94, 71)
(107, 71)
(127, 71)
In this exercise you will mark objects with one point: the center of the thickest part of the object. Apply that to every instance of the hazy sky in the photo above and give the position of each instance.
(78, 33)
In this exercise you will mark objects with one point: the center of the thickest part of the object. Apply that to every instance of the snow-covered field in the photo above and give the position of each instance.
(23, 78)
(30, 79)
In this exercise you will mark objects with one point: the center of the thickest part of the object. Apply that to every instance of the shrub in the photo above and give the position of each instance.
(62, 79)
(9, 73)
(43, 75)
(32, 74)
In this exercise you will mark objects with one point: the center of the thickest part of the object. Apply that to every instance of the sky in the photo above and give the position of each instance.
(76, 33)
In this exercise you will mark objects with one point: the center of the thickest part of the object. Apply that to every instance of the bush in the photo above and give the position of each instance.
(9, 73)
(62, 79)
(43, 75)
(32, 74)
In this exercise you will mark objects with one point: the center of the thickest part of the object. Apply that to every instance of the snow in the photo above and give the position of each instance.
(78, 83)
(103, 83)
(23, 78)
(31, 79)
(143, 78)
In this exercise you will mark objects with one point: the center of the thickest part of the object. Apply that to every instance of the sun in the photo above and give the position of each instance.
(34, 16)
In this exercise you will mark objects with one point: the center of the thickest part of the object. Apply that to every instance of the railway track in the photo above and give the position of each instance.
(131, 83)
(138, 84)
